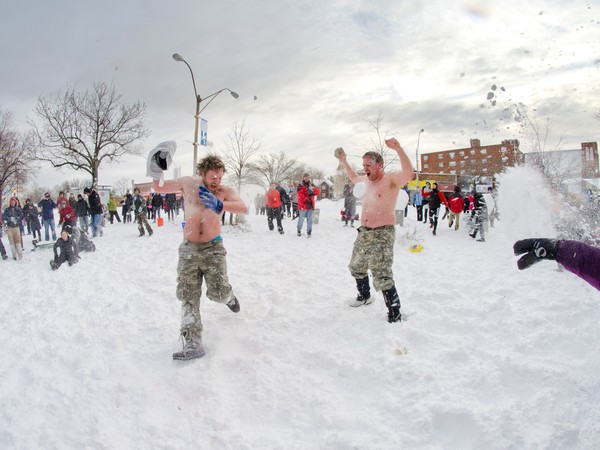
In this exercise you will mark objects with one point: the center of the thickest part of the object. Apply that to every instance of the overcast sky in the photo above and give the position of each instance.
(318, 68)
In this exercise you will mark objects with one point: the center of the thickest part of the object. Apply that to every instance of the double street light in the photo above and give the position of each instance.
(210, 98)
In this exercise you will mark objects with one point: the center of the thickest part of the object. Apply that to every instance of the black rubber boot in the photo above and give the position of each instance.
(364, 291)
(393, 303)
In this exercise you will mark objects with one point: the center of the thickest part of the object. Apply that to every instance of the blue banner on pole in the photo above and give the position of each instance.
(203, 132)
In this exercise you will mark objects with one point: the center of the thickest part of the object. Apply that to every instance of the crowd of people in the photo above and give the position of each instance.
(77, 216)
(202, 256)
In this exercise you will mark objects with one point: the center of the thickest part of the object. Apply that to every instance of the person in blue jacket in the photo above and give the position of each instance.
(48, 206)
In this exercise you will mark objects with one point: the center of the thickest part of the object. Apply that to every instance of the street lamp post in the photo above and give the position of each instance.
(210, 98)
(417, 155)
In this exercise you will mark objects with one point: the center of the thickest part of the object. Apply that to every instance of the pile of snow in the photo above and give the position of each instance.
(488, 357)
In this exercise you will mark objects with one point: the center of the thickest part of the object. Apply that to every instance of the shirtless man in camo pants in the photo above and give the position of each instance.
(374, 246)
(202, 254)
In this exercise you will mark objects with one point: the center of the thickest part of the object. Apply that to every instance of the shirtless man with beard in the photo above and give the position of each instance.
(374, 246)
(202, 254)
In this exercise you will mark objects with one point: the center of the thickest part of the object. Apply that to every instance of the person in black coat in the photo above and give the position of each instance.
(96, 211)
(82, 210)
(66, 246)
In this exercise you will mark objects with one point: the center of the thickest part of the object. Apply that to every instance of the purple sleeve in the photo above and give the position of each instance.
(581, 259)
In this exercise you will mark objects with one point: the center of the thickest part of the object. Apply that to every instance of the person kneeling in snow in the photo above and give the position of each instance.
(66, 246)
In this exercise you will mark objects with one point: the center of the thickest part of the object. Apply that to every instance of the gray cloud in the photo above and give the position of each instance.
(317, 68)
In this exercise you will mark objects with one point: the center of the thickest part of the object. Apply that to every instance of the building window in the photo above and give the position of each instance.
(441, 164)
(462, 164)
(425, 166)
(440, 156)
(453, 172)
(424, 157)
(462, 153)
(472, 152)
(451, 154)
(483, 151)
(484, 161)
(452, 163)
(484, 169)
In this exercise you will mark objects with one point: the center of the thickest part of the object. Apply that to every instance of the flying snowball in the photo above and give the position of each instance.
(359, 190)
(402, 200)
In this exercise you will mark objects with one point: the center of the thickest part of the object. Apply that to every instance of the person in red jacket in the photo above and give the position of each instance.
(456, 203)
(273, 204)
(306, 203)
(66, 214)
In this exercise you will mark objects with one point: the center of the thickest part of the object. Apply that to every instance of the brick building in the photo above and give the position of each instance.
(474, 161)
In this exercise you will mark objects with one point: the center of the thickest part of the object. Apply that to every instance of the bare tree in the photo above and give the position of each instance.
(240, 147)
(597, 113)
(16, 163)
(555, 166)
(377, 143)
(120, 186)
(274, 168)
(81, 130)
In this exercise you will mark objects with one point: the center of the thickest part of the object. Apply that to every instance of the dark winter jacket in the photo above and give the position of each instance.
(29, 211)
(283, 195)
(170, 201)
(82, 209)
(128, 202)
(306, 195)
(436, 198)
(581, 259)
(66, 247)
(13, 216)
(95, 203)
(157, 201)
(47, 205)
(350, 205)
(139, 204)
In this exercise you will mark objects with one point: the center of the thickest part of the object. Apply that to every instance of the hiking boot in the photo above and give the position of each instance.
(233, 305)
(4, 257)
(191, 349)
(299, 233)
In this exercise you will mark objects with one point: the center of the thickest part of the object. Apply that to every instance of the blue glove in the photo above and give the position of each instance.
(209, 200)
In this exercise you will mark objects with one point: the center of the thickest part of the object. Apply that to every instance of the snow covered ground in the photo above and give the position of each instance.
(488, 357)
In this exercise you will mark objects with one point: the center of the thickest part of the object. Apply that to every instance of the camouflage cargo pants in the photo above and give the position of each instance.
(141, 220)
(374, 250)
(197, 262)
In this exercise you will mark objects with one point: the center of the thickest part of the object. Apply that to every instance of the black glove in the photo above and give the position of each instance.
(535, 250)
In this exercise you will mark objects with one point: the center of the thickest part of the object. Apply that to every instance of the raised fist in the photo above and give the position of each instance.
(340, 154)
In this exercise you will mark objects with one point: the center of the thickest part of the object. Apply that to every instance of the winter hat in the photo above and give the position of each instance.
(87, 190)
(305, 175)
(68, 229)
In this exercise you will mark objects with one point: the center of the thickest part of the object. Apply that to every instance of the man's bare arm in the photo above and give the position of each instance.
(233, 203)
(340, 154)
(167, 187)
(408, 172)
